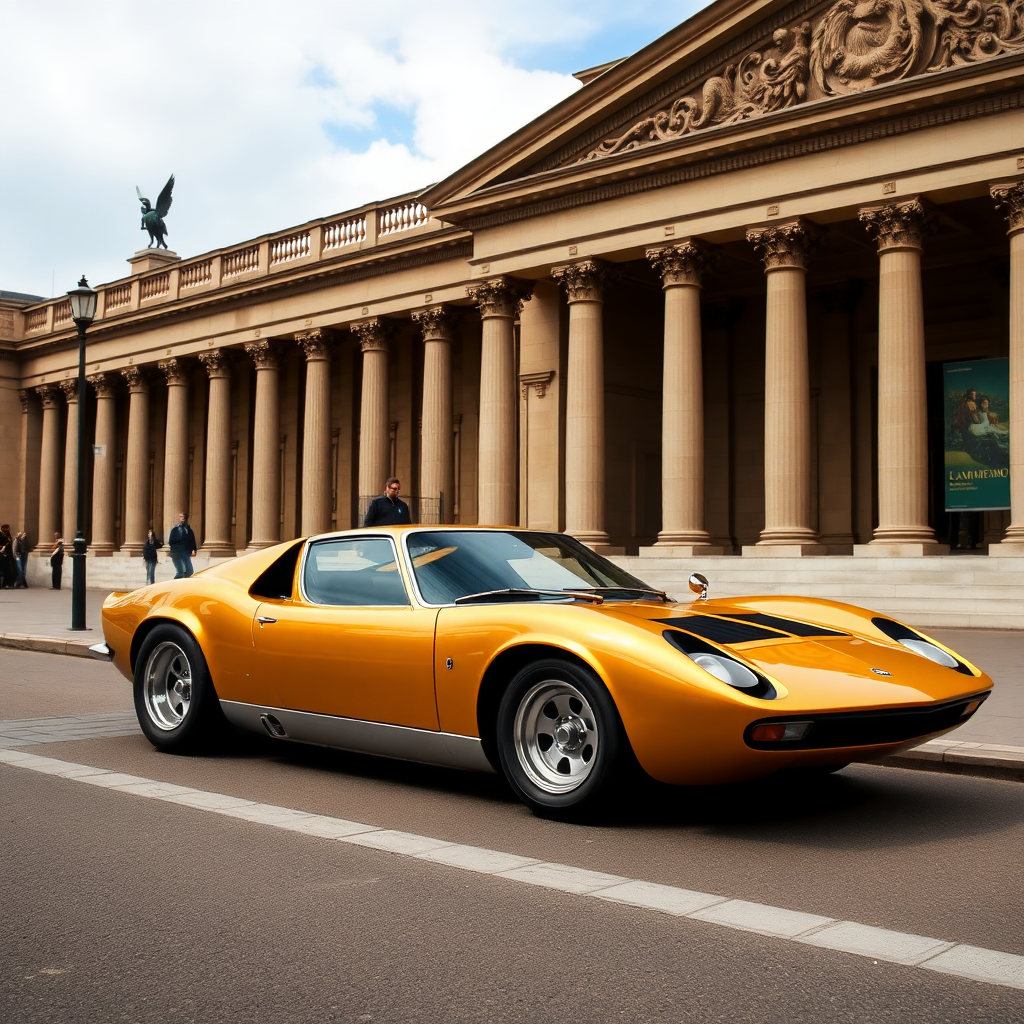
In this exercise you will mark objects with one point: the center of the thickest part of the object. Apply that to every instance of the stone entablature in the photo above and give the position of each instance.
(309, 248)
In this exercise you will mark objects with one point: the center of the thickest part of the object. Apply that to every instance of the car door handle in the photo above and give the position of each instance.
(264, 619)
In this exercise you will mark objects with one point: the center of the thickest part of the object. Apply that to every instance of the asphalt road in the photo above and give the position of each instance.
(116, 907)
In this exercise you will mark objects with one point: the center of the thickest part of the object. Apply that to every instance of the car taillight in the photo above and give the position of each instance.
(780, 732)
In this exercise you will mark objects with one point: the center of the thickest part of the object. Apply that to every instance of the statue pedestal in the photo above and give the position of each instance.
(152, 259)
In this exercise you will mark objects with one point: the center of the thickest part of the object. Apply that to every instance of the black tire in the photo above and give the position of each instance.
(572, 769)
(175, 701)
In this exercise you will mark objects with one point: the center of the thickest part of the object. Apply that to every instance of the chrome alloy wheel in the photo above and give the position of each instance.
(555, 736)
(167, 686)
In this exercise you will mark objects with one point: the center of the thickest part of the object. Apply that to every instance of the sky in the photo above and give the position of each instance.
(269, 114)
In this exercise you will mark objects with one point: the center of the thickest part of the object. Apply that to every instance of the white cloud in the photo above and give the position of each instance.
(268, 113)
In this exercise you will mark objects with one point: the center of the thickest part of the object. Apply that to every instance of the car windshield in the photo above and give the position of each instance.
(453, 564)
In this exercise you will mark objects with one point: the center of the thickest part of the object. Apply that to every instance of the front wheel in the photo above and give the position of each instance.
(175, 701)
(560, 739)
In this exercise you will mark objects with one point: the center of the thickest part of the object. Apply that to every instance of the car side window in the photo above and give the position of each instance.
(353, 572)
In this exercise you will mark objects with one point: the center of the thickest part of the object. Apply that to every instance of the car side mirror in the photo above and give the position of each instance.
(699, 585)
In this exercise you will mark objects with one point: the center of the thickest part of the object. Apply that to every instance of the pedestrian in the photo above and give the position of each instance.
(388, 509)
(149, 550)
(21, 559)
(8, 574)
(56, 561)
(181, 544)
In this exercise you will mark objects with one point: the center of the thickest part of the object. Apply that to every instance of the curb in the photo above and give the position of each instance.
(47, 644)
(952, 757)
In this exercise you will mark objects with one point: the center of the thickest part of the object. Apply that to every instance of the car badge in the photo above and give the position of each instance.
(881, 672)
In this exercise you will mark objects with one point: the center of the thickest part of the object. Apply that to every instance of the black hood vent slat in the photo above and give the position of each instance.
(722, 631)
(792, 626)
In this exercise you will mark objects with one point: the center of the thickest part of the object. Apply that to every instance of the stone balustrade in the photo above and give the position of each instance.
(119, 296)
(288, 248)
(155, 287)
(241, 261)
(193, 275)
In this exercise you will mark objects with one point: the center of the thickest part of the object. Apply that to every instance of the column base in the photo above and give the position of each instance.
(218, 549)
(899, 549)
(660, 550)
(1007, 548)
(259, 545)
(101, 550)
(773, 550)
(132, 550)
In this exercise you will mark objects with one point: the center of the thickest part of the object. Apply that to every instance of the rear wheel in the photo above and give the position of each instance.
(560, 739)
(175, 701)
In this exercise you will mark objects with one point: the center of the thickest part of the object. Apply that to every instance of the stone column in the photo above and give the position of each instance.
(374, 416)
(176, 482)
(136, 492)
(49, 468)
(1009, 198)
(903, 527)
(316, 440)
(584, 406)
(500, 301)
(437, 449)
(69, 524)
(217, 541)
(682, 411)
(104, 466)
(266, 447)
(784, 248)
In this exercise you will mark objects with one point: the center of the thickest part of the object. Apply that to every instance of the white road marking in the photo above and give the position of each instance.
(988, 966)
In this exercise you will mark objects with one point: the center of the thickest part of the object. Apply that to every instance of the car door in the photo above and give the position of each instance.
(350, 643)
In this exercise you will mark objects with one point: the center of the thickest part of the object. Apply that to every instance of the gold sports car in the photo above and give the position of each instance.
(525, 653)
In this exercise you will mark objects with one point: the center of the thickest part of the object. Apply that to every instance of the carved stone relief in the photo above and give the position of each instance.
(850, 46)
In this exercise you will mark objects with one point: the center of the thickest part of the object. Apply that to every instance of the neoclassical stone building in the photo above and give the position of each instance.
(697, 309)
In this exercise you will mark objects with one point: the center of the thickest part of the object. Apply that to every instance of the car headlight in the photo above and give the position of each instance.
(718, 664)
(930, 651)
(729, 671)
(913, 641)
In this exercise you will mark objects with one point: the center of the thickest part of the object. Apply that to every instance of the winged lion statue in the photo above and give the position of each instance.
(153, 219)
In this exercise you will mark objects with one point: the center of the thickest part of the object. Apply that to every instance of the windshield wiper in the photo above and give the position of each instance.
(621, 590)
(524, 594)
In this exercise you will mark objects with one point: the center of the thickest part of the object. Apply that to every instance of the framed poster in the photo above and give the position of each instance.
(977, 420)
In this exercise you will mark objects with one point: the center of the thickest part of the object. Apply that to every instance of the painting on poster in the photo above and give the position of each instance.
(977, 420)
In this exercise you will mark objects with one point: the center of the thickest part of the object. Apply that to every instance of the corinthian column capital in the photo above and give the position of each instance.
(785, 246)
(175, 371)
(70, 389)
(50, 395)
(682, 263)
(900, 225)
(372, 334)
(265, 354)
(216, 362)
(436, 323)
(138, 383)
(500, 296)
(25, 397)
(104, 384)
(1009, 200)
(583, 281)
(316, 344)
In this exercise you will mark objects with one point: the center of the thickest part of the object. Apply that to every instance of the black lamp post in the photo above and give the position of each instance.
(83, 311)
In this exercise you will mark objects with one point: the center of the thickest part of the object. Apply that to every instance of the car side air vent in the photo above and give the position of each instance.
(722, 631)
(919, 645)
(792, 626)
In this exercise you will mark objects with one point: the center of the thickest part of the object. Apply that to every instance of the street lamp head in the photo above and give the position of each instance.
(83, 303)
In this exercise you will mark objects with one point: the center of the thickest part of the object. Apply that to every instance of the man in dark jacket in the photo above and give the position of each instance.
(181, 544)
(388, 509)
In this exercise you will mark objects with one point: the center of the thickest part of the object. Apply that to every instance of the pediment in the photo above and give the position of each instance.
(736, 63)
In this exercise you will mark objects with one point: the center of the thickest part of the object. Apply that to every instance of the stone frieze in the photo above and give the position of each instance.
(847, 47)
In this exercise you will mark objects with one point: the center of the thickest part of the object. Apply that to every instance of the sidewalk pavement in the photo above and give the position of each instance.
(991, 744)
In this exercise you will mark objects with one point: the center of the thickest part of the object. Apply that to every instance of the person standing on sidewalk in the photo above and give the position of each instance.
(388, 509)
(21, 558)
(181, 543)
(149, 554)
(56, 561)
(8, 574)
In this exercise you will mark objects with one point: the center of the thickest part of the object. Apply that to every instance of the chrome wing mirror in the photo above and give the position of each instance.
(699, 585)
